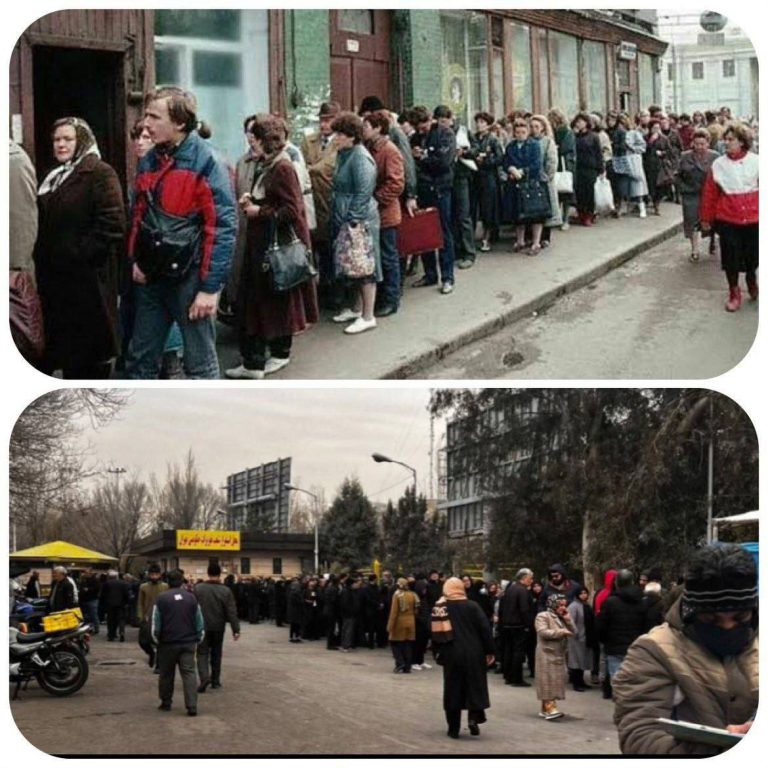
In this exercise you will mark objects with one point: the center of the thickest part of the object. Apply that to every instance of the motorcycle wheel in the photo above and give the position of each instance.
(71, 676)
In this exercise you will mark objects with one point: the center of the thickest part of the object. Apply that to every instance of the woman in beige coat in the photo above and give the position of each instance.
(401, 626)
(553, 628)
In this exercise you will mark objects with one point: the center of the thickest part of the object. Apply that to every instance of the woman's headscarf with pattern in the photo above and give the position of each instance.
(85, 145)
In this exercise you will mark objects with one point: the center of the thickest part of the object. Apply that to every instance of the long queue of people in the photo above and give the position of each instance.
(292, 229)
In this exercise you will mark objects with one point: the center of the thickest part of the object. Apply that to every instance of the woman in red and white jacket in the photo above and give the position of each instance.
(730, 205)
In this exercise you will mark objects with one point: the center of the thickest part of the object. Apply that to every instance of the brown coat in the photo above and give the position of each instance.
(79, 246)
(551, 651)
(321, 164)
(270, 315)
(390, 180)
(402, 623)
(667, 674)
(22, 208)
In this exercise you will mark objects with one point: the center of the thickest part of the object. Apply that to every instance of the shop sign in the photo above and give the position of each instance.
(228, 540)
(627, 51)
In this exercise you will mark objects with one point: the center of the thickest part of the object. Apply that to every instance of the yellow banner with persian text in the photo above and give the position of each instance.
(228, 540)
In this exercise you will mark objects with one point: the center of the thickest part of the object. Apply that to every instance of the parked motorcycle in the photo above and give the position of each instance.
(53, 659)
(28, 616)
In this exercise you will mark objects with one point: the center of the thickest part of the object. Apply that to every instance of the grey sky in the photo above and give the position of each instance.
(330, 433)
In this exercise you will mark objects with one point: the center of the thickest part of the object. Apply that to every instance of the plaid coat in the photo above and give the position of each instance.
(551, 655)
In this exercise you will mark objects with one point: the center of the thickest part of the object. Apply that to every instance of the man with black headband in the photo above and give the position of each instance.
(701, 666)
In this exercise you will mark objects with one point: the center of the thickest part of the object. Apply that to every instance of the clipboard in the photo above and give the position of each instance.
(699, 734)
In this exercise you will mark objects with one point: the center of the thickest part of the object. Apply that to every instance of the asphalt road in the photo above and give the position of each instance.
(657, 317)
(278, 698)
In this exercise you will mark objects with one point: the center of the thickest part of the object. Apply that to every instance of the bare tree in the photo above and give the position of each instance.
(112, 517)
(184, 501)
(47, 461)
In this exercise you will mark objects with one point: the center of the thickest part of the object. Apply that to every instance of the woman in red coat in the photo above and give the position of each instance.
(268, 320)
(78, 248)
(730, 205)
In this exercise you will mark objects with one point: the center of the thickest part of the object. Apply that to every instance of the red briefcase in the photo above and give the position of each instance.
(420, 233)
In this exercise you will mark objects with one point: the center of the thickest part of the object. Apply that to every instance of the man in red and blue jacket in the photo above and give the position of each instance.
(185, 178)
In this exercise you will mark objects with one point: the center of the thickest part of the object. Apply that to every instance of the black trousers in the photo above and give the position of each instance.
(514, 653)
(183, 656)
(210, 651)
(115, 621)
(403, 653)
(295, 631)
(420, 644)
(253, 350)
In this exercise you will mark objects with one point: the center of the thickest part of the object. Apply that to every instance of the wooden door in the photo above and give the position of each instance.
(360, 56)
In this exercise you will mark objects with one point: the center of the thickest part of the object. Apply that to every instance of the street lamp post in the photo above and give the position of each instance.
(289, 487)
(379, 458)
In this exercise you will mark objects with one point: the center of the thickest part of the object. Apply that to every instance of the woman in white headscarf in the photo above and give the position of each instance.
(79, 245)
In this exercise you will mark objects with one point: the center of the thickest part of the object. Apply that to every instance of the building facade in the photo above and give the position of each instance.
(257, 498)
(264, 555)
(98, 64)
(718, 70)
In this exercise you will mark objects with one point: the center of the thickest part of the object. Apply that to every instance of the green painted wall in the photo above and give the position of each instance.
(421, 42)
(307, 58)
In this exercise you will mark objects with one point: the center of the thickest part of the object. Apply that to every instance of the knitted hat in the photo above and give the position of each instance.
(721, 577)
(371, 104)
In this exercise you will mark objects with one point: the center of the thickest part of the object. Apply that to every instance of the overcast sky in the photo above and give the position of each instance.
(329, 433)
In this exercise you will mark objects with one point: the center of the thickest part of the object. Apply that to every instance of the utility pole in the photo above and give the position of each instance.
(710, 470)
(432, 456)
(117, 471)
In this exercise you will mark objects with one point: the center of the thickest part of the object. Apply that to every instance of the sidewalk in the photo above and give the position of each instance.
(501, 288)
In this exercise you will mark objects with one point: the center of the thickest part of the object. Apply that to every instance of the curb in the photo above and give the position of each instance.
(410, 368)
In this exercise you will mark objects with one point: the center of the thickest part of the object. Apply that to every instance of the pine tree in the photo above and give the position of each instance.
(349, 529)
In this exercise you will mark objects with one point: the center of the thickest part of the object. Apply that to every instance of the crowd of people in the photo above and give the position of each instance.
(295, 229)
(686, 651)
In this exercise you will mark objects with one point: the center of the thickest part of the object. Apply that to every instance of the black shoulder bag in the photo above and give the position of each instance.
(288, 265)
(167, 245)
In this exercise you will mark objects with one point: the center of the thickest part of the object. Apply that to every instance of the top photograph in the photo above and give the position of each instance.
(383, 194)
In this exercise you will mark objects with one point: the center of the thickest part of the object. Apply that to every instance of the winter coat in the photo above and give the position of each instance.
(589, 154)
(390, 180)
(526, 157)
(402, 616)
(551, 648)
(569, 588)
(354, 185)
(63, 595)
(115, 593)
(579, 653)
(321, 163)
(668, 674)
(218, 607)
(348, 602)
(193, 180)
(549, 159)
(268, 314)
(400, 140)
(331, 602)
(516, 607)
(148, 594)
(435, 168)
(487, 177)
(90, 588)
(659, 169)
(622, 620)
(22, 208)
(81, 230)
(465, 680)
(295, 603)
(653, 602)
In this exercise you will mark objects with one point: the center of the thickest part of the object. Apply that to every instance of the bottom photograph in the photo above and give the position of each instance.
(368, 572)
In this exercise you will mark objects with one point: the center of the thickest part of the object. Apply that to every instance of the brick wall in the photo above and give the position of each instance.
(421, 47)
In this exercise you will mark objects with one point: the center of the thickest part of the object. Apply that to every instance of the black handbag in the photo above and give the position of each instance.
(533, 202)
(288, 265)
(167, 245)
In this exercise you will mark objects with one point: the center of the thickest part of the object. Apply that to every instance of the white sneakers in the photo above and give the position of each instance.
(643, 212)
(424, 665)
(241, 372)
(417, 667)
(275, 364)
(361, 325)
(346, 315)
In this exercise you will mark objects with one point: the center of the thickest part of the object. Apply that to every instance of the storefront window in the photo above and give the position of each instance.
(645, 67)
(564, 55)
(223, 58)
(543, 70)
(497, 83)
(466, 88)
(359, 22)
(522, 72)
(595, 75)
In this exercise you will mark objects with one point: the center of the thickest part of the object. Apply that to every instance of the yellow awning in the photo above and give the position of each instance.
(62, 552)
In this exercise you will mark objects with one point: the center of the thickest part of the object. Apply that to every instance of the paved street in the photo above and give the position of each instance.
(656, 317)
(503, 287)
(279, 698)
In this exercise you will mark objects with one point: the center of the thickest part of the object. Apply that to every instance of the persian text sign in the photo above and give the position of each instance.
(229, 540)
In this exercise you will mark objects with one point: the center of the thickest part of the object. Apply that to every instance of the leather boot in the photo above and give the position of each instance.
(752, 288)
(734, 299)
